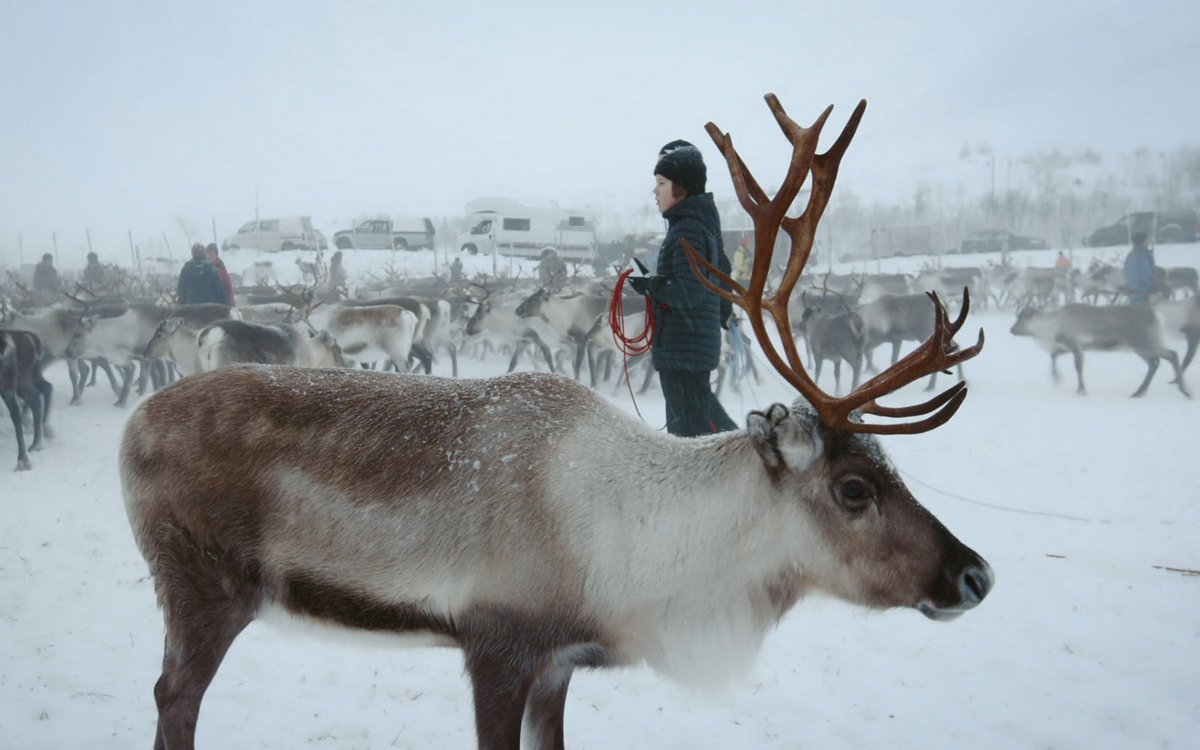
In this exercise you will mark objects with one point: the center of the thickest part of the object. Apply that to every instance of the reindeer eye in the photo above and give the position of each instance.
(854, 494)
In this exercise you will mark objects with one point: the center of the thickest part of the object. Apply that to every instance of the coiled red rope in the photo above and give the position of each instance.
(635, 345)
(630, 346)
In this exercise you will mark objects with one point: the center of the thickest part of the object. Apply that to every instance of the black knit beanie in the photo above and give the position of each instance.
(683, 165)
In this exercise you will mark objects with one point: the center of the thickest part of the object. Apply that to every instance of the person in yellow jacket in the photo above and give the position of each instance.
(741, 262)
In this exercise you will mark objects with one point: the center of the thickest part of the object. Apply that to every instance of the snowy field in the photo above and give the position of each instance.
(1087, 508)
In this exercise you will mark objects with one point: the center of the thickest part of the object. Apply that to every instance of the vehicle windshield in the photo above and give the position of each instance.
(482, 227)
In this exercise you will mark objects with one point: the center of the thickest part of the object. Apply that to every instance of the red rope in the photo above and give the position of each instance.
(636, 345)
(629, 346)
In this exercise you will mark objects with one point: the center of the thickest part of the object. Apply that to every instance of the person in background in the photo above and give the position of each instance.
(337, 274)
(1062, 262)
(46, 284)
(456, 270)
(199, 281)
(741, 262)
(687, 342)
(94, 276)
(1139, 270)
(213, 254)
(551, 270)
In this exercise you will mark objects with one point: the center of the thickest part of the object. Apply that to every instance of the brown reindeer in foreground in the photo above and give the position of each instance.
(527, 521)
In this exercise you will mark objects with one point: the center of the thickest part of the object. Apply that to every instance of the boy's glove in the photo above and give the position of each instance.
(644, 284)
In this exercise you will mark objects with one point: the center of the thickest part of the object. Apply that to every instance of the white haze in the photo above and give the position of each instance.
(163, 122)
(1087, 508)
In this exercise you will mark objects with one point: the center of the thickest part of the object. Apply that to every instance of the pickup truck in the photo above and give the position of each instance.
(386, 234)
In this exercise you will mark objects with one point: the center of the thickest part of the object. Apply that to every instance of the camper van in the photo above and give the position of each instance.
(506, 227)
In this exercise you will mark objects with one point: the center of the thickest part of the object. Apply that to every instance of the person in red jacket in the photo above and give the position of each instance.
(214, 258)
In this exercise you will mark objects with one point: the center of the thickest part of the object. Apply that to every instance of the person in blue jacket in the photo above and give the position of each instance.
(1139, 270)
(689, 317)
(199, 281)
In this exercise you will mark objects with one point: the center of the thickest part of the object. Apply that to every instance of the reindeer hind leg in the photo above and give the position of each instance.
(544, 709)
(1193, 337)
(206, 601)
(1152, 362)
(1173, 358)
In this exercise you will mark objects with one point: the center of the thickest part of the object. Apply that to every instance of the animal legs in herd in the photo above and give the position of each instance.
(14, 412)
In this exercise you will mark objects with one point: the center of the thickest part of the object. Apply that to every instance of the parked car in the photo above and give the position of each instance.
(1167, 226)
(387, 234)
(998, 241)
(284, 233)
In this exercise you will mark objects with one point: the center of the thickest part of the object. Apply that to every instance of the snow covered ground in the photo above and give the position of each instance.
(1086, 507)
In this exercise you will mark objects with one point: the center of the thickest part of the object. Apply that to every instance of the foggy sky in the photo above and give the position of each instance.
(155, 118)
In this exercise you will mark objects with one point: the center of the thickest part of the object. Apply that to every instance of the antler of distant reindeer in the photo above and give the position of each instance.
(769, 216)
(26, 296)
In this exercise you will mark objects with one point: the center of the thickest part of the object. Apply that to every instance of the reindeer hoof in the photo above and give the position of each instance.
(24, 465)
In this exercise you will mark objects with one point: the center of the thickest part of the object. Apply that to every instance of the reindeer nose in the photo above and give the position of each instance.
(974, 583)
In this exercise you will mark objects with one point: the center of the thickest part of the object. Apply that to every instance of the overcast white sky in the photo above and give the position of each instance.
(145, 116)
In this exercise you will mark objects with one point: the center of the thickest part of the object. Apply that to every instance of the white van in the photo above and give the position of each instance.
(272, 235)
(508, 228)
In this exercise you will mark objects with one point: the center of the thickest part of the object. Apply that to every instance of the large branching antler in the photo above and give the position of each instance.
(769, 216)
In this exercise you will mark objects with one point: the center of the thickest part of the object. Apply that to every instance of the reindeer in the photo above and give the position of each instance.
(835, 336)
(527, 521)
(229, 342)
(1181, 318)
(21, 362)
(55, 327)
(433, 327)
(496, 319)
(896, 318)
(385, 332)
(1181, 278)
(1102, 280)
(577, 318)
(312, 270)
(175, 340)
(1080, 328)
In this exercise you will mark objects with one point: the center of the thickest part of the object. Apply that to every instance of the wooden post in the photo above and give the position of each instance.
(54, 239)
(133, 254)
(88, 233)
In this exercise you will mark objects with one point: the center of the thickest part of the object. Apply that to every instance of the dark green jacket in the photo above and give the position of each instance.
(688, 316)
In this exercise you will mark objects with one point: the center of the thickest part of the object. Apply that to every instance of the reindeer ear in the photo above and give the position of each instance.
(785, 440)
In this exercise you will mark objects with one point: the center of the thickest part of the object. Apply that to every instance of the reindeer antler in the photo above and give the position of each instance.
(769, 216)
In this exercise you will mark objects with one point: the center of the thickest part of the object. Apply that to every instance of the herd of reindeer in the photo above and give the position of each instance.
(146, 341)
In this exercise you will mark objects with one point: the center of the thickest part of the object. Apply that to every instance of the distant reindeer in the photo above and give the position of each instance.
(527, 521)
(1182, 318)
(312, 271)
(493, 319)
(21, 360)
(894, 319)
(1075, 329)
(229, 342)
(837, 336)
(1179, 278)
(577, 319)
(1101, 281)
